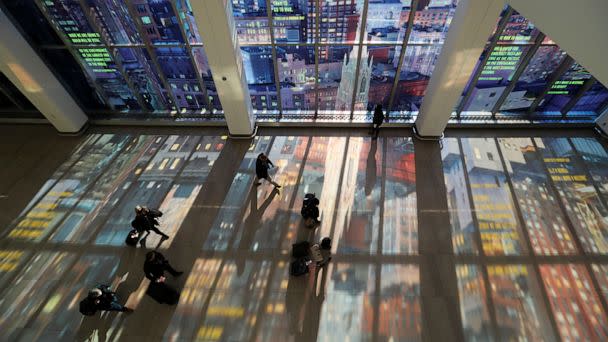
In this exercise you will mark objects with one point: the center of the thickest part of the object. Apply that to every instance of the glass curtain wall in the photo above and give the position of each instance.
(523, 76)
(141, 57)
(335, 60)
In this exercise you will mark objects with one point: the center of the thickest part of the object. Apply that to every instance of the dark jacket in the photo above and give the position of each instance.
(378, 116)
(156, 268)
(261, 167)
(141, 223)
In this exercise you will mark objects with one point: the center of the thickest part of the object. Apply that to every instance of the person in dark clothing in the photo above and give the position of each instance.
(155, 267)
(262, 164)
(102, 298)
(146, 221)
(377, 120)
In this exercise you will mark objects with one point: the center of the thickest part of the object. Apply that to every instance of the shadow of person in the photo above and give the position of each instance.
(312, 316)
(129, 272)
(252, 223)
(371, 172)
(94, 328)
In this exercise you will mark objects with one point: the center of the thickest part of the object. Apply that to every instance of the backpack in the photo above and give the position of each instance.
(155, 213)
(298, 267)
(87, 307)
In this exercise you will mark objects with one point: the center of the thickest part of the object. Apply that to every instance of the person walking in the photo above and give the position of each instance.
(377, 121)
(101, 298)
(155, 266)
(145, 220)
(262, 164)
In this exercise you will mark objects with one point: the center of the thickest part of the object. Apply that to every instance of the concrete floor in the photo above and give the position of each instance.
(488, 236)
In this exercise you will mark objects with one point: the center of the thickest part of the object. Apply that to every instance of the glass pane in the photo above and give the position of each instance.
(549, 233)
(577, 193)
(113, 18)
(494, 208)
(251, 21)
(102, 68)
(387, 21)
(297, 76)
(520, 311)
(339, 21)
(473, 307)
(144, 76)
(534, 79)
(291, 21)
(432, 21)
(376, 77)
(494, 78)
(574, 303)
(519, 30)
(595, 158)
(189, 22)
(202, 65)
(593, 101)
(177, 67)
(418, 65)
(259, 70)
(562, 91)
(69, 18)
(158, 21)
(337, 67)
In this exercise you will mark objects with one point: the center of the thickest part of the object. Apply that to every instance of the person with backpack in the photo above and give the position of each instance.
(101, 298)
(310, 210)
(262, 164)
(146, 221)
(377, 121)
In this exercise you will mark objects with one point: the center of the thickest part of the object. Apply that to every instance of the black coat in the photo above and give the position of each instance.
(141, 223)
(156, 268)
(261, 167)
(378, 116)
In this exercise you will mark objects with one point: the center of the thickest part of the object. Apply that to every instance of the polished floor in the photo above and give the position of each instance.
(478, 238)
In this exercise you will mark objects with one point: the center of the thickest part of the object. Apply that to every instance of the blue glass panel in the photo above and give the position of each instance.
(297, 76)
(144, 77)
(432, 21)
(113, 18)
(159, 22)
(562, 91)
(290, 22)
(179, 71)
(251, 21)
(534, 79)
(594, 100)
(387, 21)
(257, 64)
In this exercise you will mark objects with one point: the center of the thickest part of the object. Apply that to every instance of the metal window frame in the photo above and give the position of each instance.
(404, 45)
(523, 64)
(72, 50)
(275, 66)
(188, 47)
(499, 30)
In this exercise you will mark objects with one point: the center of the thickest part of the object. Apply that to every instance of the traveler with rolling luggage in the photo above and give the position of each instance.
(101, 298)
(145, 221)
(262, 164)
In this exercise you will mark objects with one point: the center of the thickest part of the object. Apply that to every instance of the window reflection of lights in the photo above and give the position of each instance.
(174, 147)
(163, 164)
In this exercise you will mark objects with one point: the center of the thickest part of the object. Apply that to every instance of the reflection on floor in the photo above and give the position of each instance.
(529, 231)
